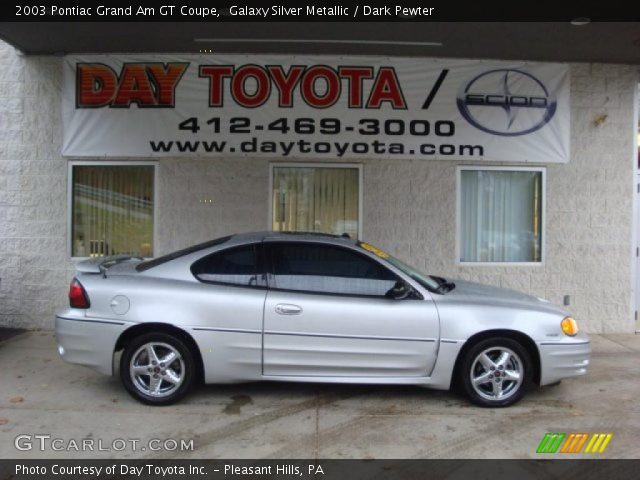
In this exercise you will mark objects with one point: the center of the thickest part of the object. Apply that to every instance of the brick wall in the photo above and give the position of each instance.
(409, 205)
(34, 271)
(588, 206)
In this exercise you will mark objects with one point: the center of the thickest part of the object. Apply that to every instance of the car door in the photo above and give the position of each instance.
(229, 303)
(326, 314)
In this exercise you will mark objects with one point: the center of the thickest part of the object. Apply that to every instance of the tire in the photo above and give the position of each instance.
(496, 384)
(163, 382)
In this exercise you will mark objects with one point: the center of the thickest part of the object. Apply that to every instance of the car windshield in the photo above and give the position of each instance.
(427, 281)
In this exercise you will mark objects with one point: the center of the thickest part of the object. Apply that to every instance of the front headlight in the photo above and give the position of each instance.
(569, 326)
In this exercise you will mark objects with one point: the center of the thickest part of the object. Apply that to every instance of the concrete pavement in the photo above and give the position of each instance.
(41, 394)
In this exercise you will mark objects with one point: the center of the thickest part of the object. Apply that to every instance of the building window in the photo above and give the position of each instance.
(500, 215)
(316, 198)
(112, 210)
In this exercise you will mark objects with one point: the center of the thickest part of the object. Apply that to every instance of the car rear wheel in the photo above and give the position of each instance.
(157, 368)
(496, 372)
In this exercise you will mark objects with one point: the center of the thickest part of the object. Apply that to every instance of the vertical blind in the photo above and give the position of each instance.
(501, 216)
(316, 199)
(112, 210)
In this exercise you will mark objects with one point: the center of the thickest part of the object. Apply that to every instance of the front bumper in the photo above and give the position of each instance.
(88, 342)
(563, 359)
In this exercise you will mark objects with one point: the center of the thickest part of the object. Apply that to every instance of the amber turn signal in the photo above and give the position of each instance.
(569, 326)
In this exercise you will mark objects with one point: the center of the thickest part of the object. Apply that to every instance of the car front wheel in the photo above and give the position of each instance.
(496, 372)
(157, 369)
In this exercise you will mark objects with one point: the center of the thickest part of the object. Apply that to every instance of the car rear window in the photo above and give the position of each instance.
(180, 253)
(231, 266)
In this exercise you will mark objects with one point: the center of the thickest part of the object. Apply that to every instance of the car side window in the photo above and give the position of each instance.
(233, 266)
(321, 268)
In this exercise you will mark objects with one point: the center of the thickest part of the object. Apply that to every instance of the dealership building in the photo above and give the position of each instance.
(513, 165)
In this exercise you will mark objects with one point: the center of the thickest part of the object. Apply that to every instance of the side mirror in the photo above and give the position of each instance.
(400, 291)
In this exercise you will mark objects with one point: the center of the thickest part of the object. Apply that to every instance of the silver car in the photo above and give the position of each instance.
(309, 308)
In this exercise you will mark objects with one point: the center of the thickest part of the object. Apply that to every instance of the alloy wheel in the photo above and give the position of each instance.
(496, 373)
(157, 369)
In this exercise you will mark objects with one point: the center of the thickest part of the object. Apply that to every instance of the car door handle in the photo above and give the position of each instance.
(288, 309)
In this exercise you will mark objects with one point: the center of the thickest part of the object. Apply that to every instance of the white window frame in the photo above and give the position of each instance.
(275, 165)
(543, 231)
(98, 163)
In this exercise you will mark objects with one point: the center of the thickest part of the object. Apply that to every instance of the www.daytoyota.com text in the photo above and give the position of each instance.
(324, 127)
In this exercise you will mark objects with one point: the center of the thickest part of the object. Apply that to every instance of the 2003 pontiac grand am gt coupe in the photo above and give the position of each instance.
(309, 308)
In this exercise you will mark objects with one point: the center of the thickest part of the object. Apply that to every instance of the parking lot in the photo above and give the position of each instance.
(40, 394)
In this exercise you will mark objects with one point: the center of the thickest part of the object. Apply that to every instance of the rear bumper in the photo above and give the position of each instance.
(563, 360)
(88, 342)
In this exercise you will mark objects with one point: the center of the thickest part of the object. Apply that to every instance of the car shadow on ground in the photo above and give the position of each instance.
(241, 394)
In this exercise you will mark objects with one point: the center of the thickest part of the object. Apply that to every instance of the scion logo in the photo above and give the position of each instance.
(506, 102)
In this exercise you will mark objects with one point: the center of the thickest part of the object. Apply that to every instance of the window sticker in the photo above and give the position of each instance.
(375, 250)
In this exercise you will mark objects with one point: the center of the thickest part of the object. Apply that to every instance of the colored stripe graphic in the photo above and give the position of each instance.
(555, 442)
(598, 442)
(574, 443)
(550, 442)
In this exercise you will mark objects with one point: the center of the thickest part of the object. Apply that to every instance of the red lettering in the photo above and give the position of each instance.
(309, 93)
(216, 74)
(154, 85)
(134, 87)
(166, 79)
(285, 83)
(239, 87)
(95, 85)
(355, 77)
(386, 88)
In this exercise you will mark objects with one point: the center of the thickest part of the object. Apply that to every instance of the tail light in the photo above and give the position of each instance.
(78, 297)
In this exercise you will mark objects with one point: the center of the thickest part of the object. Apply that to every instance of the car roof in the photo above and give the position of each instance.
(294, 236)
(241, 239)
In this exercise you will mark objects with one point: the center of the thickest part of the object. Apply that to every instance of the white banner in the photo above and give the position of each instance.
(315, 107)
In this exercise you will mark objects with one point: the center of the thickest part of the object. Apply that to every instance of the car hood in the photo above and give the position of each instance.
(472, 292)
